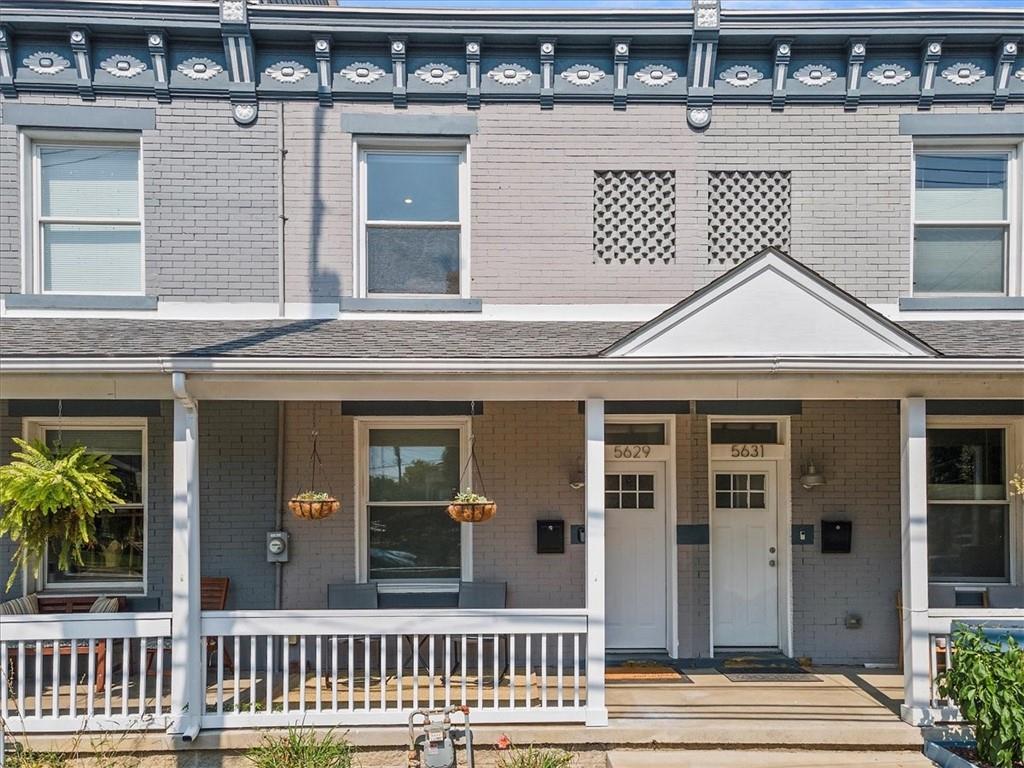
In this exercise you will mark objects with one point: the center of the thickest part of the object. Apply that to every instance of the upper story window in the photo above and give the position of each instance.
(85, 232)
(966, 216)
(117, 557)
(414, 234)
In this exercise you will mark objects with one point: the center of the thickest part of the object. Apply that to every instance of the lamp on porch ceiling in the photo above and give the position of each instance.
(812, 478)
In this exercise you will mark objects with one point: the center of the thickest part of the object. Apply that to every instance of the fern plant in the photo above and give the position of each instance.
(54, 495)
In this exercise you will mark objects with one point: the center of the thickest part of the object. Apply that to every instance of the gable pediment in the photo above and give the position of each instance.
(770, 306)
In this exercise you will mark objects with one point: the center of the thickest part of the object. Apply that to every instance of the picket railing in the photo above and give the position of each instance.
(276, 668)
(84, 672)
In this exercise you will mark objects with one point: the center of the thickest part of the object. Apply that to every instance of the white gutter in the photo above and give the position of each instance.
(180, 390)
(441, 366)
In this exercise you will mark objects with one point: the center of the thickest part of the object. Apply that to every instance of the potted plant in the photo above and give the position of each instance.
(469, 507)
(53, 495)
(313, 505)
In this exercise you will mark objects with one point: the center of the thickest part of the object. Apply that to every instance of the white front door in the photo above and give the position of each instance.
(745, 555)
(636, 576)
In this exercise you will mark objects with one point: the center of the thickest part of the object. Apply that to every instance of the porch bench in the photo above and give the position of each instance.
(37, 605)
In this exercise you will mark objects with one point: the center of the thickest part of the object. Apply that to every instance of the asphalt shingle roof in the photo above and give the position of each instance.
(93, 337)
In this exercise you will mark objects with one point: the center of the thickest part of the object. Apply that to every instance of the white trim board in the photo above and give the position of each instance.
(770, 305)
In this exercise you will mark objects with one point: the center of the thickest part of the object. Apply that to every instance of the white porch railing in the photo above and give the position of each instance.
(277, 668)
(84, 672)
(940, 629)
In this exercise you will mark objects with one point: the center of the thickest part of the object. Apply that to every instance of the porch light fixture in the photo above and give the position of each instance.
(812, 478)
(576, 479)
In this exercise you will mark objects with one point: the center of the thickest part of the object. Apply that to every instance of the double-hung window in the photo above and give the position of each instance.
(966, 216)
(969, 509)
(413, 233)
(117, 557)
(411, 474)
(86, 226)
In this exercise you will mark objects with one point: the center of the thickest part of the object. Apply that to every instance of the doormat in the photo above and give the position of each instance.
(765, 669)
(644, 671)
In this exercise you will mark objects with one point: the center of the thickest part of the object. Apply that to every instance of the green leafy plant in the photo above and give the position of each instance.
(313, 496)
(54, 495)
(1017, 482)
(468, 497)
(532, 757)
(985, 679)
(302, 748)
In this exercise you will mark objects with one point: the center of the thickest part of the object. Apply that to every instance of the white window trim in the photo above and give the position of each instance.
(1014, 454)
(34, 429)
(32, 256)
(1014, 259)
(362, 427)
(360, 148)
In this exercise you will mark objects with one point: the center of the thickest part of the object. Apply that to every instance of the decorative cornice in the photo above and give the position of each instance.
(362, 73)
(656, 75)
(436, 73)
(815, 75)
(510, 74)
(888, 74)
(125, 66)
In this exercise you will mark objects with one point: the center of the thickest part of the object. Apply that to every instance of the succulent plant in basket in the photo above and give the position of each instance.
(469, 507)
(313, 505)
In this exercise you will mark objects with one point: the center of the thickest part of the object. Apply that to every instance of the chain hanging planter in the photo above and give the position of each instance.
(314, 504)
(468, 506)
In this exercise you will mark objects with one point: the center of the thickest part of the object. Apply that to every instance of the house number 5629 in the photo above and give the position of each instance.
(746, 451)
(631, 451)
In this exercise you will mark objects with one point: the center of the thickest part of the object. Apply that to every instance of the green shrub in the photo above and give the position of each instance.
(986, 681)
(535, 758)
(301, 748)
(23, 757)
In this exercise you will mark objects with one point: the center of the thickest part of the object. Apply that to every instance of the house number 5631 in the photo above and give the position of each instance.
(631, 451)
(746, 451)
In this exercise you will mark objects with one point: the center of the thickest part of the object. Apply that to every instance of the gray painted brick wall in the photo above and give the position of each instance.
(212, 192)
(210, 201)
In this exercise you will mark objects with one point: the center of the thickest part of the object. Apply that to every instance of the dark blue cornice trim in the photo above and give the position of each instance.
(974, 407)
(411, 408)
(73, 408)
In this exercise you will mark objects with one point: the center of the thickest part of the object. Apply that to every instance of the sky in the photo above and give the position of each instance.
(673, 4)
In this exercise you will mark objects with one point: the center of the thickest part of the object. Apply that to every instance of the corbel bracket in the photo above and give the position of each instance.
(547, 72)
(79, 38)
(238, 48)
(6, 66)
(1006, 55)
(156, 39)
(931, 52)
(856, 51)
(322, 53)
(473, 45)
(700, 90)
(620, 54)
(783, 54)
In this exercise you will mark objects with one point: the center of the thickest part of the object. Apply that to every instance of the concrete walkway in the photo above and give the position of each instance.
(765, 759)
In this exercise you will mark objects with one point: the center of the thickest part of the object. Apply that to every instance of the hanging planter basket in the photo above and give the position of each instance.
(314, 505)
(472, 511)
(314, 509)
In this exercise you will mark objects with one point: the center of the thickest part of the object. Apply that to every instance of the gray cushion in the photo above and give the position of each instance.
(352, 597)
(20, 606)
(482, 594)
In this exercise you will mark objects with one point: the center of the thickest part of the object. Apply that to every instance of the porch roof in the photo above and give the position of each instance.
(391, 339)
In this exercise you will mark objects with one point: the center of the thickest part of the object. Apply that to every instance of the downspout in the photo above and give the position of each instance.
(180, 390)
(279, 504)
(281, 217)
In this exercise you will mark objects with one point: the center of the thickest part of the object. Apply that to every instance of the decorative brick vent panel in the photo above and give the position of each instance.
(634, 216)
(748, 211)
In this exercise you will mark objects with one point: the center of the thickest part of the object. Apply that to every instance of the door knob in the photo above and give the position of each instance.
(771, 563)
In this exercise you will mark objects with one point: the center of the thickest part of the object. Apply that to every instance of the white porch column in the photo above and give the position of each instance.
(187, 658)
(914, 526)
(597, 711)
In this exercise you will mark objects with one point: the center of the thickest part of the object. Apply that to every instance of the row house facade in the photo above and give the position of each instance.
(723, 309)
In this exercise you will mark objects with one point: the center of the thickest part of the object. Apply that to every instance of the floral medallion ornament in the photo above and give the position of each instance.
(233, 10)
(742, 76)
(123, 66)
(46, 63)
(244, 113)
(656, 75)
(698, 117)
(888, 74)
(287, 71)
(1019, 74)
(510, 74)
(963, 73)
(362, 72)
(200, 68)
(582, 74)
(815, 75)
(436, 74)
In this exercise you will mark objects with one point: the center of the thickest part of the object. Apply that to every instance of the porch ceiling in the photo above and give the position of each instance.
(399, 339)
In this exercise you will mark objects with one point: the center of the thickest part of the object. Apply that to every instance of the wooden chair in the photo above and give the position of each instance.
(213, 596)
(63, 605)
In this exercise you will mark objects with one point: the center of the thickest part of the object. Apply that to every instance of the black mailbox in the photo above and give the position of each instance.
(550, 537)
(836, 536)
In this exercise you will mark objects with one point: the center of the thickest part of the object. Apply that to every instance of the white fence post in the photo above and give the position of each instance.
(597, 712)
(914, 525)
(187, 658)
